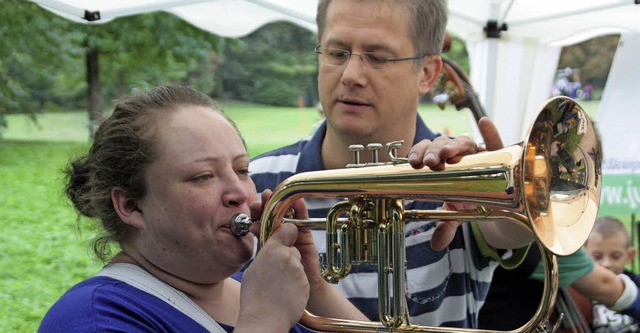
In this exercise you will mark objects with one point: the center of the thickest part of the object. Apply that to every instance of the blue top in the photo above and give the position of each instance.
(104, 304)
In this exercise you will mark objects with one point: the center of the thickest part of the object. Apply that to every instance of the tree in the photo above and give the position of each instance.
(60, 61)
(146, 50)
(30, 42)
(275, 65)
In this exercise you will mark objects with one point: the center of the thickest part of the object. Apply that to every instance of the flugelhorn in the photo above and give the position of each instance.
(549, 184)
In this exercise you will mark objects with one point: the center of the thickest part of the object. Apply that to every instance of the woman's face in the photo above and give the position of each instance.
(199, 181)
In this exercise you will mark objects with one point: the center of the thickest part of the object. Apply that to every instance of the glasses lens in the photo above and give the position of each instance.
(335, 57)
(375, 60)
(338, 57)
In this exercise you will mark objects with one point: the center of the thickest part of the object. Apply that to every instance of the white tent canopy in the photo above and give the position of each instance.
(513, 69)
(514, 48)
(226, 18)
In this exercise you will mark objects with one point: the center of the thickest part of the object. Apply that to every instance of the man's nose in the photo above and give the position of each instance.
(354, 72)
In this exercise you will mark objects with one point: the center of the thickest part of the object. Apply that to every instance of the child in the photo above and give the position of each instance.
(609, 245)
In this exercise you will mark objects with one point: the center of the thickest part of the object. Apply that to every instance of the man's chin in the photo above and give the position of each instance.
(354, 128)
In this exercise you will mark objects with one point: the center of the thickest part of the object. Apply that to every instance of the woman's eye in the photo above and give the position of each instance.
(244, 171)
(203, 177)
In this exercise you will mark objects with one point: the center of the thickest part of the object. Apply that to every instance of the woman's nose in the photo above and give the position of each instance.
(236, 192)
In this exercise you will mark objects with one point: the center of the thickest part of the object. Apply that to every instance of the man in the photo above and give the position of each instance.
(375, 60)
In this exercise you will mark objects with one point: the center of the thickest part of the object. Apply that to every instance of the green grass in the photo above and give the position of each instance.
(41, 252)
(263, 127)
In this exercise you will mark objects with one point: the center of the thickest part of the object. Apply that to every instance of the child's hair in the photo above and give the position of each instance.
(608, 226)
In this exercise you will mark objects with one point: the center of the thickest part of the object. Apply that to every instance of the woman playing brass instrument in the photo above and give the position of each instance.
(164, 175)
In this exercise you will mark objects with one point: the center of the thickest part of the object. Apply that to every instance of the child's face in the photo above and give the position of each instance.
(610, 252)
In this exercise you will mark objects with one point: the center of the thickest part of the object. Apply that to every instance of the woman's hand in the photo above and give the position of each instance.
(275, 289)
(304, 243)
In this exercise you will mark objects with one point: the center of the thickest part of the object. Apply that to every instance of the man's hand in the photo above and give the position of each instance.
(434, 154)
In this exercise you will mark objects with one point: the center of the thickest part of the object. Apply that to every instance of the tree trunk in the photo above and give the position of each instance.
(93, 84)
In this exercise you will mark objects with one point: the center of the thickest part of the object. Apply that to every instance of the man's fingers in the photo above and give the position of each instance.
(444, 234)
(416, 154)
(490, 134)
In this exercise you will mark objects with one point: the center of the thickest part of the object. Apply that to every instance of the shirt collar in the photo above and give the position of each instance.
(311, 153)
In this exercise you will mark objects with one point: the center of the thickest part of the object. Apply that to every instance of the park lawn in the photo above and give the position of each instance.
(263, 127)
(42, 253)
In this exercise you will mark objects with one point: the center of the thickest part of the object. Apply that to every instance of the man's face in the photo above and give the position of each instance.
(361, 102)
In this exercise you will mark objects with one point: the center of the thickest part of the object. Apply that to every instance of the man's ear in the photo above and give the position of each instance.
(127, 208)
(429, 72)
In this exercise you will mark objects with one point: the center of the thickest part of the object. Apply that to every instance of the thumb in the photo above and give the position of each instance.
(443, 234)
(286, 235)
(490, 134)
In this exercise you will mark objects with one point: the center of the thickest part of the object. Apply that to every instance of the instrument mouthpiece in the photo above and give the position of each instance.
(240, 224)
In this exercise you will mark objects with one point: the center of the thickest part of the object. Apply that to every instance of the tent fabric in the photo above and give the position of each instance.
(563, 22)
(618, 121)
(512, 72)
(225, 18)
(497, 72)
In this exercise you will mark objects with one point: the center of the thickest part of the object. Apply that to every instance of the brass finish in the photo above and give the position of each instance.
(550, 185)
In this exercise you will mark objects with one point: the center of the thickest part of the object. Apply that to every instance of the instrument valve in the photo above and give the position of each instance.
(392, 150)
(374, 148)
(356, 149)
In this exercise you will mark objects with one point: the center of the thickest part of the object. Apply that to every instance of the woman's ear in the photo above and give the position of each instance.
(127, 208)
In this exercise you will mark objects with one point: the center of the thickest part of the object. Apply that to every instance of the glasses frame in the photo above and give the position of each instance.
(320, 49)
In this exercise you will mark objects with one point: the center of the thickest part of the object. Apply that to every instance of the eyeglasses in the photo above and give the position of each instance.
(339, 57)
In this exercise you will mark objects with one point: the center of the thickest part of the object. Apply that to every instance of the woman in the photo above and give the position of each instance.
(164, 176)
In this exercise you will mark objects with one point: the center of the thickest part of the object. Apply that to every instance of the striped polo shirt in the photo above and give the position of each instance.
(444, 288)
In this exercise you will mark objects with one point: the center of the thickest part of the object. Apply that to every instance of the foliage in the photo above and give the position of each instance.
(47, 69)
(140, 51)
(273, 66)
(592, 57)
(458, 53)
(30, 44)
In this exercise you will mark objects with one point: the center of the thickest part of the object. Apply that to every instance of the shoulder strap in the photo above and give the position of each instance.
(143, 280)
